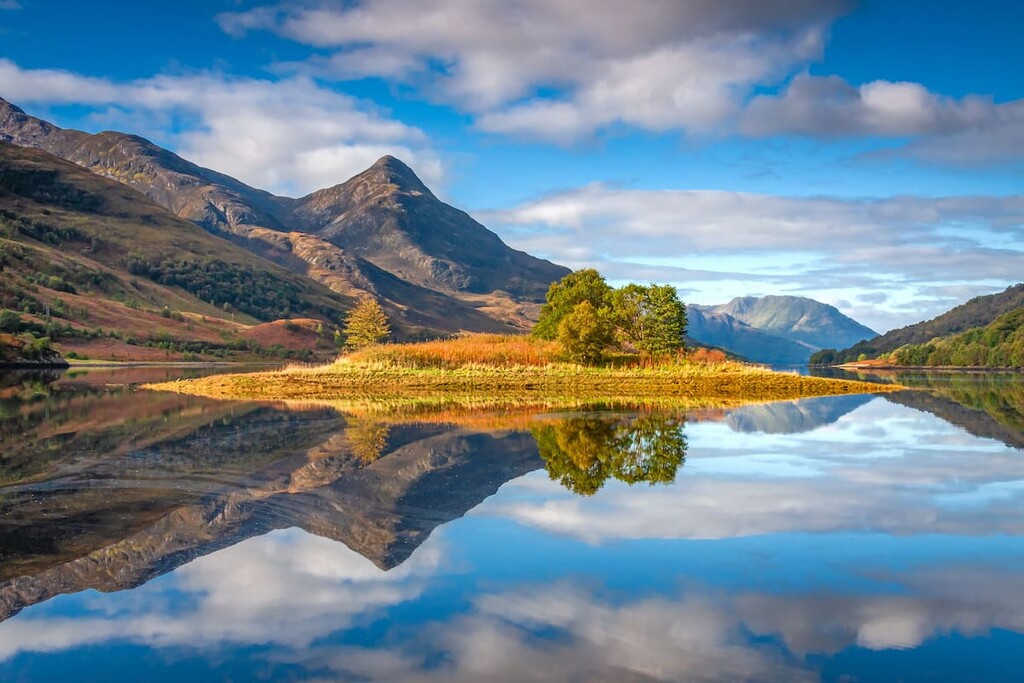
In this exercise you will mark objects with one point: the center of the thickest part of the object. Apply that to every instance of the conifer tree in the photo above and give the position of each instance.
(366, 324)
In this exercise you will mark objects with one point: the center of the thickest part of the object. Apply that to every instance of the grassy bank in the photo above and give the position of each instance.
(512, 370)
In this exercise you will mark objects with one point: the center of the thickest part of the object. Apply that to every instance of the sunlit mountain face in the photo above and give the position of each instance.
(807, 540)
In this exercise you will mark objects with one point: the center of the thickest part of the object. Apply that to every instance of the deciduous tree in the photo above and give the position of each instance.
(563, 296)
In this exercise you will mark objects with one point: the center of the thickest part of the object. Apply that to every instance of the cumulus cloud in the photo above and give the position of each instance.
(825, 243)
(289, 135)
(562, 71)
(970, 129)
(660, 65)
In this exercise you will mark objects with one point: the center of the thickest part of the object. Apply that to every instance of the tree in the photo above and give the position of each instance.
(585, 334)
(649, 318)
(366, 324)
(582, 453)
(563, 296)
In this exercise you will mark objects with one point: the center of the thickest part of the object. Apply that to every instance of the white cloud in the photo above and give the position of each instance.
(839, 247)
(563, 70)
(661, 65)
(970, 129)
(289, 136)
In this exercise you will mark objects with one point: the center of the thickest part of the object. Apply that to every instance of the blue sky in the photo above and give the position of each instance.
(870, 155)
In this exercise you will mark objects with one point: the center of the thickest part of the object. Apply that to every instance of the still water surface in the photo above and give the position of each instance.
(166, 538)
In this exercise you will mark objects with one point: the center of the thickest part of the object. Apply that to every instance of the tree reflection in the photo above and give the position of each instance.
(582, 453)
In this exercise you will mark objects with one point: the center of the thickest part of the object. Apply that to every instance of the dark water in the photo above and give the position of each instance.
(163, 538)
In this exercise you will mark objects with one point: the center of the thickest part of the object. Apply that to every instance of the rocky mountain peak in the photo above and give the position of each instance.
(389, 170)
(6, 107)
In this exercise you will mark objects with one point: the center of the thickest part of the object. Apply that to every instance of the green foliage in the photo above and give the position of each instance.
(367, 324)
(563, 296)
(978, 312)
(999, 344)
(10, 322)
(588, 317)
(229, 285)
(585, 333)
(649, 318)
(583, 453)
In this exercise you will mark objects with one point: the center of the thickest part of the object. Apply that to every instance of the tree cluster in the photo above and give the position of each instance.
(258, 293)
(590, 318)
(999, 344)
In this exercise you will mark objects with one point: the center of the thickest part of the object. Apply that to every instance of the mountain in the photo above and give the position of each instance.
(99, 268)
(978, 312)
(383, 232)
(798, 318)
(783, 330)
(1000, 344)
(714, 328)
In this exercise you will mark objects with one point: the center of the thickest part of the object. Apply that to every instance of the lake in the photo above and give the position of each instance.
(160, 537)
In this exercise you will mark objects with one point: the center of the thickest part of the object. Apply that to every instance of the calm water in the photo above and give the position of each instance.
(164, 538)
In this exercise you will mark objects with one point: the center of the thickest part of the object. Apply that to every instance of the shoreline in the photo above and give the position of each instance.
(860, 367)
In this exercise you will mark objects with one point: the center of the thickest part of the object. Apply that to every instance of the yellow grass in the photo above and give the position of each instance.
(495, 371)
(480, 349)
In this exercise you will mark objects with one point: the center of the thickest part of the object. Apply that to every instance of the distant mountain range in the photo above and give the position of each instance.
(978, 312)
(782, 330)
(434, 268)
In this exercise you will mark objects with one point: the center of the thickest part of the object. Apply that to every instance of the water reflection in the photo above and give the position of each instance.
(841, 538)
(582, 453)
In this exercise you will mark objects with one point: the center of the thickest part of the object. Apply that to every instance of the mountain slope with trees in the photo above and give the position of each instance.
(382, 233)
(90, 263)
(1000, 344)
(978, 312)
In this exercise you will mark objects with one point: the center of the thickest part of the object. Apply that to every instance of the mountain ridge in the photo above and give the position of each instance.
(977, 312)
(384, 217)
(780, 330)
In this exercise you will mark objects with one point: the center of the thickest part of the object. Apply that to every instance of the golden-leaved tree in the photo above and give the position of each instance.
(366, 324)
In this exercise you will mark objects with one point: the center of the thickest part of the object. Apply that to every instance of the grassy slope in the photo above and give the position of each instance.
(91, 225)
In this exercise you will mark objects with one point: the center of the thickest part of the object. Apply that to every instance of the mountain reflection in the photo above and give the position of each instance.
(985, 404)
(318, 543)
(107, 488)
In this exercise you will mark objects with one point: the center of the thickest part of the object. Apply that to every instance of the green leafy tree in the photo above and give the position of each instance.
(650, 318)
(585, 333)
(366, 324)
(563, 296)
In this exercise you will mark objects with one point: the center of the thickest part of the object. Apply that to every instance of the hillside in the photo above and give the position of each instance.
(103, 271)
(1000, 344)
(434, 269)
(781, 330)
(978, 312)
